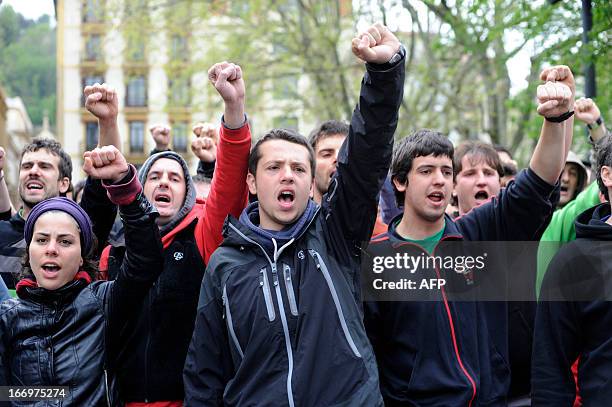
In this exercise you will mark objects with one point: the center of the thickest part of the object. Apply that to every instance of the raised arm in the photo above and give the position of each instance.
(228, 191)
(143, 262)
(555, 104)
(161, 137)
(102, 101)
(6, 205)
(365, 156)
(586, 111)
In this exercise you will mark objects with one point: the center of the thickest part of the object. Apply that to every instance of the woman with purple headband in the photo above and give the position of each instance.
(64, 329)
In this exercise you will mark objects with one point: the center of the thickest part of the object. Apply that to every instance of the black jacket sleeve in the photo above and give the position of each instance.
(351, 202)
(207, 169)
(142, 264)
(100, 209)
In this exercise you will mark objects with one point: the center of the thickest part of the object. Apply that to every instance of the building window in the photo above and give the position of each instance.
(93, 11)
(90, 80)
(179, 90)
(135, 51)
(93, 48)
(136, 94)
(179, 136)
(178, 48)
(136, 136)
(91, 135)
(286, 122)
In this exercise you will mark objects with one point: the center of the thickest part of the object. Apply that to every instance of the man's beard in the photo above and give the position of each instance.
(30, 204)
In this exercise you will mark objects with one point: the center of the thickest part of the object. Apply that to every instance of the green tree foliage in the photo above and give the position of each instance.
(27, 52)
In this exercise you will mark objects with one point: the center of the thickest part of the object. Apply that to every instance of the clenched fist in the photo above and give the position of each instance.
(205, 149)
(375, 45)
(161, 136)
(556, 96)
(105, 163)
(586, 110)
(101, 100)
(227, 80)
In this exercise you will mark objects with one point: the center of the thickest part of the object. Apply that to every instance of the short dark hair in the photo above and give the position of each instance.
(53, 147)
(280, 134)
(501, 149)
(421, 143)
(478, 150)
(326, 129)
(603, 157)
(201, 179)
(78, 187)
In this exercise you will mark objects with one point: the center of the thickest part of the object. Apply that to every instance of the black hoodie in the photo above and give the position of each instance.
(574, 318)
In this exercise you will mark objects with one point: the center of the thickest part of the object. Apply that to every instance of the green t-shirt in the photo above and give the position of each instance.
(430, 242)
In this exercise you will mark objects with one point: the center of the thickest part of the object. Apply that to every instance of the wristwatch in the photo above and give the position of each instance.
(401, 52)
(595, 124)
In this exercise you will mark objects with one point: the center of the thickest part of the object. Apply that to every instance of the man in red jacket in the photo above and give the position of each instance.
(149, 369)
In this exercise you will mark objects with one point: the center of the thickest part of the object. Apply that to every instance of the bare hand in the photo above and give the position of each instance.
(101, 101)
(227, 80)
(161, 136)
(105, 163)
(375, 45)
(2, 158)
(556, 96)
(205, 149)
(586, 110)
(206, 130)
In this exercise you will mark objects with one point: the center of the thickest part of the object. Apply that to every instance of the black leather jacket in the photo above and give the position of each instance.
(71, 336)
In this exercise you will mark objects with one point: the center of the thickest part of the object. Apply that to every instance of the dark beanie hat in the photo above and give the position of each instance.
(64, 205)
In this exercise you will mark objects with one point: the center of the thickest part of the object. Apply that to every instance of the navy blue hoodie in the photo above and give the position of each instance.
(444, 352)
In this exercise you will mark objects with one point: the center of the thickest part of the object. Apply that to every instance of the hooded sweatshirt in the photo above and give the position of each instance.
(574, 318)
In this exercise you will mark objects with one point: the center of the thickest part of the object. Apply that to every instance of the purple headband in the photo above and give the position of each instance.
(64, 205)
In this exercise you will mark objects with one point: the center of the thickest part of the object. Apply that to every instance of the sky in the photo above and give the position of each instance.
(31, 9)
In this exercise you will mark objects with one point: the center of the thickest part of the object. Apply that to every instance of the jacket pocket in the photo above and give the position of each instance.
(264, 283)
(230, 324)
(330, 284)
(290, 292)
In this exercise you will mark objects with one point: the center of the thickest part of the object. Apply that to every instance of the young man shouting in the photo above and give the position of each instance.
(278, 320)
(445, 352)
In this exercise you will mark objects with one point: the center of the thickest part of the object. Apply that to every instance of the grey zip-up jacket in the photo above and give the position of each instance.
(285, 327)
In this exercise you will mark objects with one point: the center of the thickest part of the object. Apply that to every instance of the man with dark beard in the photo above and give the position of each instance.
(44, 172)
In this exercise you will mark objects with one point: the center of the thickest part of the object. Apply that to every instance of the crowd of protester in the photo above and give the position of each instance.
(241, 285)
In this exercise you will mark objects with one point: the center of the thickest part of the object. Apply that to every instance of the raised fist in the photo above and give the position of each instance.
(105, 163)
(161, 136)
(375, 45)
(205, 130)
(204, 148)
(556, 96)
(2, 158)
(586, 111)
(227, 79)
(101, 101)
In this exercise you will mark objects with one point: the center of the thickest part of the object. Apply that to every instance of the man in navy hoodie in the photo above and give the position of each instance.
(574, 316)
(438, 351)
(278, 321)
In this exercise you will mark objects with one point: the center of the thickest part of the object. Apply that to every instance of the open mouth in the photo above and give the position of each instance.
(162, 198)
(563, 189)
(436, 197)
(286, 197)
(50, 267)
(481, 195)
(33, 186)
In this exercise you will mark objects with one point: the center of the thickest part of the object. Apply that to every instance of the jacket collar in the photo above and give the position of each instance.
(29, 289)
(451, 231)
(591, 224)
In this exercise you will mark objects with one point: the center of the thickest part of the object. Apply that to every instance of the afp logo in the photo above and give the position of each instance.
(178, 256)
